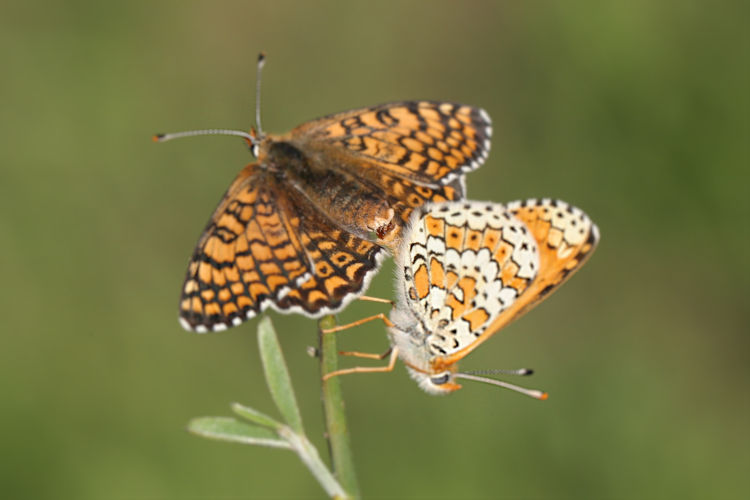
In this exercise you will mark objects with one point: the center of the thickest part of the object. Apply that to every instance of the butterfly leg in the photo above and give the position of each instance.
(367, 355)
(367, 298)
(339, 328)
(380, 316)
(367, 369)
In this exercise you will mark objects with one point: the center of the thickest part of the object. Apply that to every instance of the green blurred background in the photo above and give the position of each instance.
(635, 111)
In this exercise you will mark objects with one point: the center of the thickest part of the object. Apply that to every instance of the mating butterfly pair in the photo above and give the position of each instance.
(305, 228)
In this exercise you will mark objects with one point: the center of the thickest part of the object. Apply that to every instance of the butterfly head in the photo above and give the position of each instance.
(437, 373)
(434, 383)
(408, 337)
(439, 377)
(254, 141)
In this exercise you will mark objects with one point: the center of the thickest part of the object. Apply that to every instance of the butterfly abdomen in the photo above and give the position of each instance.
(353, 203)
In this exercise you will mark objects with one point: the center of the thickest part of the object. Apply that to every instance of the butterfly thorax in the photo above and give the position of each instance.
(412, 339)
(352, 203)
(409, 336)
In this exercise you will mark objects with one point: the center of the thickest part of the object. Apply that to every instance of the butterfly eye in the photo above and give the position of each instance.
(441, 379)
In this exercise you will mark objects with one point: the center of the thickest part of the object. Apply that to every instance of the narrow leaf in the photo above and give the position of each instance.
(230, 429)
(310, 457)
(277, 375)
(337, 429)
(255, 416)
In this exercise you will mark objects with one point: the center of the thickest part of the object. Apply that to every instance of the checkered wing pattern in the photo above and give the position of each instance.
(469, 268)
(464, 264)
(265, 246)
(425, 142)
(567, 237)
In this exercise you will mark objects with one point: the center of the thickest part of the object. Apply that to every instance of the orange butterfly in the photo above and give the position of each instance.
(303, 229)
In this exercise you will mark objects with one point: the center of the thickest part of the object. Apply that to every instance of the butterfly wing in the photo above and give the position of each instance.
(404, 196)
(471, 268)
(342, 264)
(262, 243)
(425, 142)
(247, 256)
(566, 236)
(464, 263)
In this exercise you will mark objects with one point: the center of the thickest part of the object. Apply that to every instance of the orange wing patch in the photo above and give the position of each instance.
(422, 141)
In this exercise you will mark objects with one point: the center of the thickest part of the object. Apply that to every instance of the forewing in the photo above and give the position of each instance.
(266, 246)
(565, 238)
(427, 142)
(249, 256)
(464, 263)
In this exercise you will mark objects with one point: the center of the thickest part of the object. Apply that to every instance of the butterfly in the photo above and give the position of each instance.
(305, 227)
(467, 269)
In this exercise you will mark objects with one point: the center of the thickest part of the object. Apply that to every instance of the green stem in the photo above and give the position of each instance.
(309, 456)
(333, 408)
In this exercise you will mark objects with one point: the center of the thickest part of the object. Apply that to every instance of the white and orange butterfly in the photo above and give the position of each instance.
(467, 269)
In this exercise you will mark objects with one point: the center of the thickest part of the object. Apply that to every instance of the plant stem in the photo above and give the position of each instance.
(309, 456)
(337, 430)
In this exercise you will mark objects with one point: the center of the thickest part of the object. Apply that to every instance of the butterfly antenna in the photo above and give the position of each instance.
(213, 131)
(540, 395)
(261, 63)
(253, 138)
(501, 371)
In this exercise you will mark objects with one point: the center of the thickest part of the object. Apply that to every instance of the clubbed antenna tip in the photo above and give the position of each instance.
(261, 62)
(532, 393)
(192, 133)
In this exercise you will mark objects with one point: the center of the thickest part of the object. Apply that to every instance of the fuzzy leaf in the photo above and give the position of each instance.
(230, 429)
(277, 375)
(255, 416)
